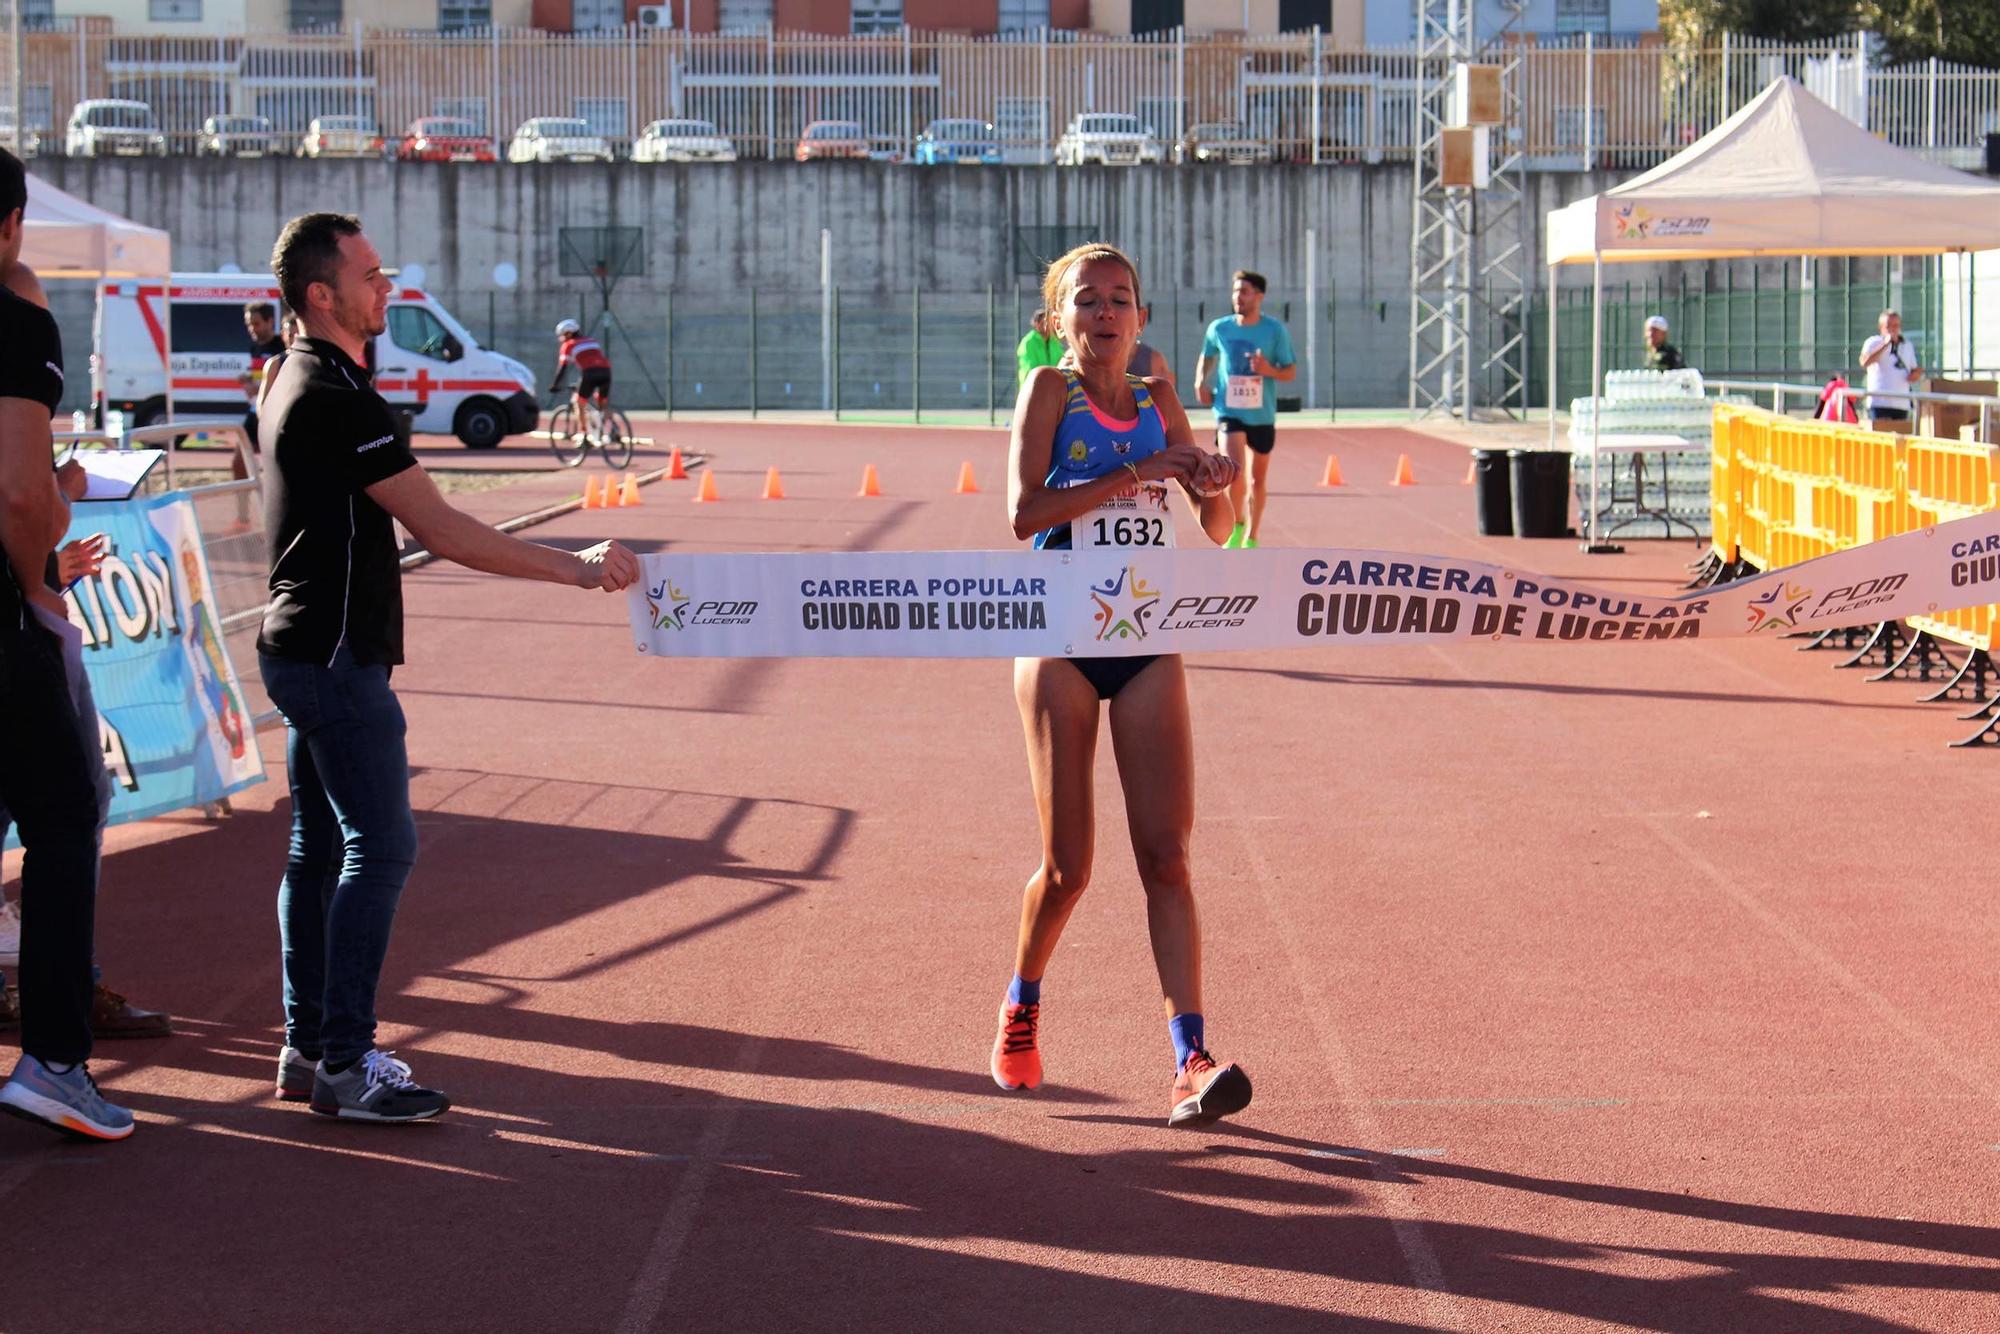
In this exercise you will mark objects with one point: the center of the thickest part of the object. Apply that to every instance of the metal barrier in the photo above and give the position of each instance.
(1587, 101)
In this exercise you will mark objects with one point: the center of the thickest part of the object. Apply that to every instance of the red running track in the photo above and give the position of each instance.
(1640, 986)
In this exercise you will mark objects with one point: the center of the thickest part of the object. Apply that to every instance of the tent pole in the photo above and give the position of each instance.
(1552, 356)
(1591, 544)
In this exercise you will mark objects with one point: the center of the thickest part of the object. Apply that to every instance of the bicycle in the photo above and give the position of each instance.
(608, 429)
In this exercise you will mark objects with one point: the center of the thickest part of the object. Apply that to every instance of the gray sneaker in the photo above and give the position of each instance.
(377, 1087)
(67, 1102)
(295, 1075)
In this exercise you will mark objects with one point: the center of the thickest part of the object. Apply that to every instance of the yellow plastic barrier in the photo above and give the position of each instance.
(1786, 490)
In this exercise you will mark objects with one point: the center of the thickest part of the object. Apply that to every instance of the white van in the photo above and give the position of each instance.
(425, 361)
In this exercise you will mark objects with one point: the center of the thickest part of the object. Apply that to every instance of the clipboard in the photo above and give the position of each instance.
(114, 474)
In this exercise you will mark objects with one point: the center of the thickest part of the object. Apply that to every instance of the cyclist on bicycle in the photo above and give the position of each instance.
(593, 368)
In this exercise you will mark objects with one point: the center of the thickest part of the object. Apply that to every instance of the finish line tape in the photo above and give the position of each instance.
(1116, 603)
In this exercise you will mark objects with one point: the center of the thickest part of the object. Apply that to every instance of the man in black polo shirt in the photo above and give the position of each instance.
(49, 771)
(332, 631)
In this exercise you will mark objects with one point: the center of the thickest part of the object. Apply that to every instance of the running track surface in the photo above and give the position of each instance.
(1607, 986)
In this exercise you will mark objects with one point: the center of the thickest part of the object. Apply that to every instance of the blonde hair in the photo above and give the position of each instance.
(1056, 282)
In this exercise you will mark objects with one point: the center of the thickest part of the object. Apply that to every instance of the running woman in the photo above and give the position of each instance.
(1241, 354)
(1093, 443)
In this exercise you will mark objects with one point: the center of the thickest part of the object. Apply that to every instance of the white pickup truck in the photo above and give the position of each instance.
(1108, 138)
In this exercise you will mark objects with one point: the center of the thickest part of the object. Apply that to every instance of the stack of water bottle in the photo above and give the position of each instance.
(1642, 402)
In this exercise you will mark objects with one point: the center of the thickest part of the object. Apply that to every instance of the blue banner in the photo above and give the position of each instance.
(174, 724)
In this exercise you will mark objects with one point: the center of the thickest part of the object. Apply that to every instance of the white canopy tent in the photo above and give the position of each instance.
(67, 237)
(1786, 175)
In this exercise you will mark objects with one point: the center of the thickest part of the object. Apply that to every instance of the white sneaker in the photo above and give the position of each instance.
(10, 935)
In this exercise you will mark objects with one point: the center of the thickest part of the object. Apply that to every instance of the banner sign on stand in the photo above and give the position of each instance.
(1114, 603)
(174, 724)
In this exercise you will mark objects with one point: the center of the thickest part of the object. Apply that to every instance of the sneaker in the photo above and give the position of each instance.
(112, 1016)
(1204, 1092)
(67, 1102)
(295, 1075)
(1017, 1060)
(1249, 544)
(10, 1009)
(1236, 536)
(377, 1087)
(10, 935)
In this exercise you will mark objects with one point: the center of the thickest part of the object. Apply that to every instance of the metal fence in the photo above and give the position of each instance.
(1586, 101)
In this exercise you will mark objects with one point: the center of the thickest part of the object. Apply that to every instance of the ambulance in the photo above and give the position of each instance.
(425, 361)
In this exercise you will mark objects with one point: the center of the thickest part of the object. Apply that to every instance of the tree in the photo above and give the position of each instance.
(1702, 22)
(1967, 31)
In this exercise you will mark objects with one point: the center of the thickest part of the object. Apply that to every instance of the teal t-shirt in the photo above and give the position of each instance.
(1229, 345)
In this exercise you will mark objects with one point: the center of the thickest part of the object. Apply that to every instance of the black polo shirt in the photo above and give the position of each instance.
(31, 367)
(334, 574)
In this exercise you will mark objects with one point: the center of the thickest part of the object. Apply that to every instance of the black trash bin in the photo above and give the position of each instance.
(1495, 496)
(1993, 154)
(1540, 480)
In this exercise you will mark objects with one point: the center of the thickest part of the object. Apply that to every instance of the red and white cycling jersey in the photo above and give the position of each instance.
(584, 352)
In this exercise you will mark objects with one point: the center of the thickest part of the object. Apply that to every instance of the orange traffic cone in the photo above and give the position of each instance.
(629, 493)
(676, 471)
(592, 497)
(1332, 475)
(966, 486)
(774, 489)
(1404, 477)
(870, 486)
(707, 492)
(1471, 471)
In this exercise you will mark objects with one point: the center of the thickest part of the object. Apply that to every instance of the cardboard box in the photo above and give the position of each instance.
(1947, 421)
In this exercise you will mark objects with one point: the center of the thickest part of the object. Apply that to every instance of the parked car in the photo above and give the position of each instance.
(30, 141)
(444, 139)
(557, 139)
(1110, 138)
(341, 136)
(426, 361)
(957, 141)
(235, 136)
(113, 127)
(832, 139)
(682, 141)
(1223, 141)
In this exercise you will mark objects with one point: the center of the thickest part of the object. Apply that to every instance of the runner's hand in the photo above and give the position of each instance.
(1175, 463)
(1259, 366)
(608, 565)
(1215, 475)
(81, 558)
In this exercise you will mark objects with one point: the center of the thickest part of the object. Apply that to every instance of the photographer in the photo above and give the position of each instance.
(1891, 362)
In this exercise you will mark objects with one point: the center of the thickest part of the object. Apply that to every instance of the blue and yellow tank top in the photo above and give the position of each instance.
(1089, 444)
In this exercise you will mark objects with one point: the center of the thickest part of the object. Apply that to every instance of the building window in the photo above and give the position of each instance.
(1157, 16)
(464, 15)
(37, 13)
(174, 11)
(1304, 15)
(743, 15)
(1583, 16)
(596, 15)
(315, 14)
(874, 16)
(1023, 15)
(464, 108)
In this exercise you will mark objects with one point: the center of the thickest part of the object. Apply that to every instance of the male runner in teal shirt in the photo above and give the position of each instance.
(1240, 356)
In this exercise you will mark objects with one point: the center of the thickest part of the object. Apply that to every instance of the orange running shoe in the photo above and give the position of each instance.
(1017, 1061)
(1205, 1092)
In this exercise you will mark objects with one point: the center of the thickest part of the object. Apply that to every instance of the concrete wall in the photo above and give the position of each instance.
(713, 235)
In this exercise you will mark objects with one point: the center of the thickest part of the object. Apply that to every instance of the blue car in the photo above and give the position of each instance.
(957, 141)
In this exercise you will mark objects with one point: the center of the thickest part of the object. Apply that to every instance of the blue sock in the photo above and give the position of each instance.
(1186, 1029)
(1023, 992)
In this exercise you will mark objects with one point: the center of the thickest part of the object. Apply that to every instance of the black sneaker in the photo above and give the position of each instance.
(377, 1087)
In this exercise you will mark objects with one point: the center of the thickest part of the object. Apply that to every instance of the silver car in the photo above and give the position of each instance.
(235, 136)
(558, 139)
(682, 141)
(113, 127)
(341, 136)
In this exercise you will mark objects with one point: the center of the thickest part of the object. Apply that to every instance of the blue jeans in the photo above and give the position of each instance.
(353, 843)
(52, 778)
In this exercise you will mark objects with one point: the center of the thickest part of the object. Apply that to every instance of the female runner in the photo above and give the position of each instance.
(1093, 446)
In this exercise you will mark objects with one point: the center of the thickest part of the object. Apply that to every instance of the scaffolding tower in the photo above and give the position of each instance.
(1469, 249)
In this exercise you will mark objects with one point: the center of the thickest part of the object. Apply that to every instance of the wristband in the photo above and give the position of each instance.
(1133, 468)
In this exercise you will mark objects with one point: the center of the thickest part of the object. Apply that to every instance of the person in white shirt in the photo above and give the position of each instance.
(1891, 362)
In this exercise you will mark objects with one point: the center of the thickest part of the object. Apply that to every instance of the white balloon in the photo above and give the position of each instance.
(505, 275)
(412, 275)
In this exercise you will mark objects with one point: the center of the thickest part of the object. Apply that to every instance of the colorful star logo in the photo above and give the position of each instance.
(1125, 605)
(1778, 609)
(669, 616)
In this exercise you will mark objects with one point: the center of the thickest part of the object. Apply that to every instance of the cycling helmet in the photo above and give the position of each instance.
(568, 327)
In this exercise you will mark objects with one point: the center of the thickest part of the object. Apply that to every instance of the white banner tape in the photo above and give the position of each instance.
(1108, 603)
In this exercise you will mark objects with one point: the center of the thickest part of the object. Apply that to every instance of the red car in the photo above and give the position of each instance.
(444, 139)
